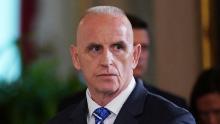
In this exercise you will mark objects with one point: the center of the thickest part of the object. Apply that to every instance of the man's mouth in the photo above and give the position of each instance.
(106, 75)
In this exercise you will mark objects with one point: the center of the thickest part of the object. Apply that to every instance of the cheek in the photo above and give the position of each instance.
(126, 63)
(87, 65)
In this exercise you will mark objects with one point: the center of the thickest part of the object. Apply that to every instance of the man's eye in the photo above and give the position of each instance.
(95, 48)
(118, 46)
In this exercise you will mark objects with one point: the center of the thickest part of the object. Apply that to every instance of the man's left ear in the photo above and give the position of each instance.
(75, 57)
(136, 55)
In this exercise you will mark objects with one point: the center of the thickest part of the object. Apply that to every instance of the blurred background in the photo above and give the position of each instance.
(35, 35)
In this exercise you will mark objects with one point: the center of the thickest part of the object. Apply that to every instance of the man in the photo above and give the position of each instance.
(141, 36)
(105, 55)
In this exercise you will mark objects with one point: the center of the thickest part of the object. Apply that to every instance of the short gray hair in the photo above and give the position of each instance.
(111, 10)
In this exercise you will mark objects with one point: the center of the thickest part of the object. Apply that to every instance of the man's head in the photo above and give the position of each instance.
(141, 36)
(104, 50)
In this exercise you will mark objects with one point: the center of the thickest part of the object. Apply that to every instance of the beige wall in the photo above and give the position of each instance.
(177, 45)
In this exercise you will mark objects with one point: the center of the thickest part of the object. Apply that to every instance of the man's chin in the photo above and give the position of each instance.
(108, 88)
(107, 91)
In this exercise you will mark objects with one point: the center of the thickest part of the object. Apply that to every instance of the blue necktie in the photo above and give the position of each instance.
(101, 114)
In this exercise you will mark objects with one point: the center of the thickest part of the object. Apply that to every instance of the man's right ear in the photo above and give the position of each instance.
(75, 57)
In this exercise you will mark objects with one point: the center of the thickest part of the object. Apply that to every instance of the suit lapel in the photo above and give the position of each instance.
(133, 106)
(79, 115)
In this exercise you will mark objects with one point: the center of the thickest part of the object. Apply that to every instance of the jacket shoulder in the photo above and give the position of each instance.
(62, 116)
(75, 113)
(172, 97)
(160, 110)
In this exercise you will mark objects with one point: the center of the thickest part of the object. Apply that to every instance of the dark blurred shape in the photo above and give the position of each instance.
(28, 12)
(205, 97)
(214, 32)
(137, 22)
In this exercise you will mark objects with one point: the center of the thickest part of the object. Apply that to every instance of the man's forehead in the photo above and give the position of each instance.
(109, 43)
(93, 29)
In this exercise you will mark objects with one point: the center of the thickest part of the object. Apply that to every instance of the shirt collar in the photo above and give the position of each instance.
(116, 104)
(92, 105)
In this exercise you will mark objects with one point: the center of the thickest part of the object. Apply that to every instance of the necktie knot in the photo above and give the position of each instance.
(101, 114)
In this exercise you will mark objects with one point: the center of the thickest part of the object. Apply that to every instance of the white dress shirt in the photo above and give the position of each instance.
(114, 106)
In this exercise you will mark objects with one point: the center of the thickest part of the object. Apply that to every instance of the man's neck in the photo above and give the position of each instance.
(103, 99)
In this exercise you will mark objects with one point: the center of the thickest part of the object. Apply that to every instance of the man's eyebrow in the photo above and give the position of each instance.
(91, 45)
(119, 42)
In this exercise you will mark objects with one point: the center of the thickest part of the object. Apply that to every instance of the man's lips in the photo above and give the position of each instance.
(106, 75)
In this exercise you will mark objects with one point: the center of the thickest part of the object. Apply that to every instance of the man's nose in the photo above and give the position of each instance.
(107, 58)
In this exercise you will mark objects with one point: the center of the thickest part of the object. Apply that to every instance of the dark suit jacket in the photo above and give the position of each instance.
(173, 98)
(141, 107)
(77, 97)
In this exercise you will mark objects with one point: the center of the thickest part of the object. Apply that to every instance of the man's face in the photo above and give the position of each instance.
(141, 36)
(105, 53)
(208, 107)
